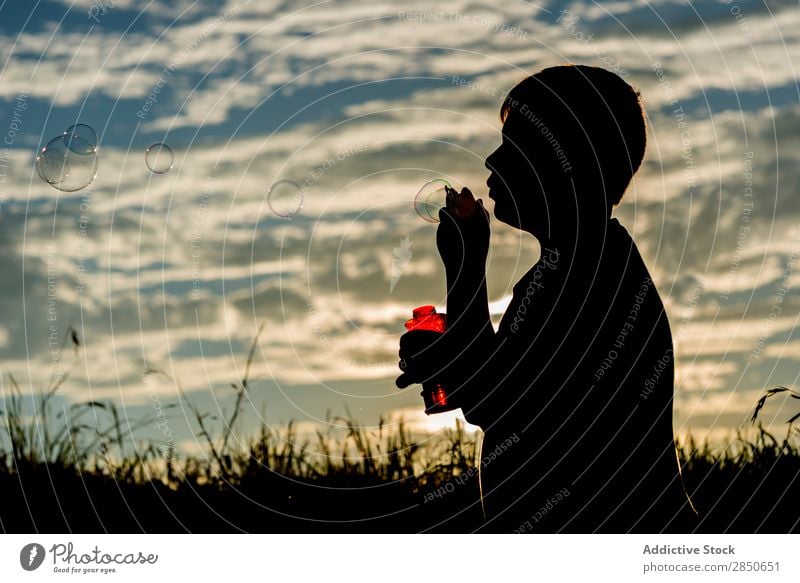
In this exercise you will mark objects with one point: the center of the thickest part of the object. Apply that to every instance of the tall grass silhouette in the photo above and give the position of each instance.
(80, 468)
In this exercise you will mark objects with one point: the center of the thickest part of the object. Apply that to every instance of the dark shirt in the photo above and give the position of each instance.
(576, 399)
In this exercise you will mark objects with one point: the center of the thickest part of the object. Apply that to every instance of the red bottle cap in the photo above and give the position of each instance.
(423, 311)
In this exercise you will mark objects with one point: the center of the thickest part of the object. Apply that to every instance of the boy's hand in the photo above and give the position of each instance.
(463, 233)
(420, 357)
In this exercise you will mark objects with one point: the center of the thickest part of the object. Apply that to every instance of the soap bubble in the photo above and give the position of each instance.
(430, 198)
(63, 168)
(52, 165)
(81, 139)
(285, 199)
(159, 158)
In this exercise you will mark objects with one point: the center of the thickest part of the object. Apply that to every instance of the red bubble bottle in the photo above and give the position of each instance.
(426, 318)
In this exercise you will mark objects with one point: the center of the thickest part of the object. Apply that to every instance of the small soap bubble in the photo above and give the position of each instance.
(159, 158)
(285, 199)
(81, 139)
(64, 169)
(430, 198)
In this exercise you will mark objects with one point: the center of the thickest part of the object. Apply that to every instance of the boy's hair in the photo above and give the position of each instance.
(590, 115)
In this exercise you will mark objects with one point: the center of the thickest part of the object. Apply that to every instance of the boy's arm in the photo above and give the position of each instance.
(468, 302)
(463, 356)
(470, 339)
(463, 243)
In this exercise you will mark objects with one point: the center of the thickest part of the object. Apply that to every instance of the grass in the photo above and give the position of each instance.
(89, 478)
(78, 468)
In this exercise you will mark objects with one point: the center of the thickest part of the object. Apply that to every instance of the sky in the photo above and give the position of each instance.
(359, 105)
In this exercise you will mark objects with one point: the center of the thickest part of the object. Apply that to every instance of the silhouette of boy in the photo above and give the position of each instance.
(574, 390)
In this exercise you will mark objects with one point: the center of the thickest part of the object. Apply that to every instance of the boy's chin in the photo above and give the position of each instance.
(503, 217)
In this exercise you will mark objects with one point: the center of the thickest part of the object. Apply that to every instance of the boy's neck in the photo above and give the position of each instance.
(581, 241)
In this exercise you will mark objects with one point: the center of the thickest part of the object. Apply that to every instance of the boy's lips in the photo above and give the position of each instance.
(493, 188)
(490, 184)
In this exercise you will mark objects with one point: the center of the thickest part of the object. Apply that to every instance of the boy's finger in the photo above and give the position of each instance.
(444, 215)
(485, 213)
(403, 381)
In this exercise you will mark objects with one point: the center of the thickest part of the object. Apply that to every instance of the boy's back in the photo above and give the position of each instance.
(587, 351)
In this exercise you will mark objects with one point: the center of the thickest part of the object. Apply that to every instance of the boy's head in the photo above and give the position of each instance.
(573, 136)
